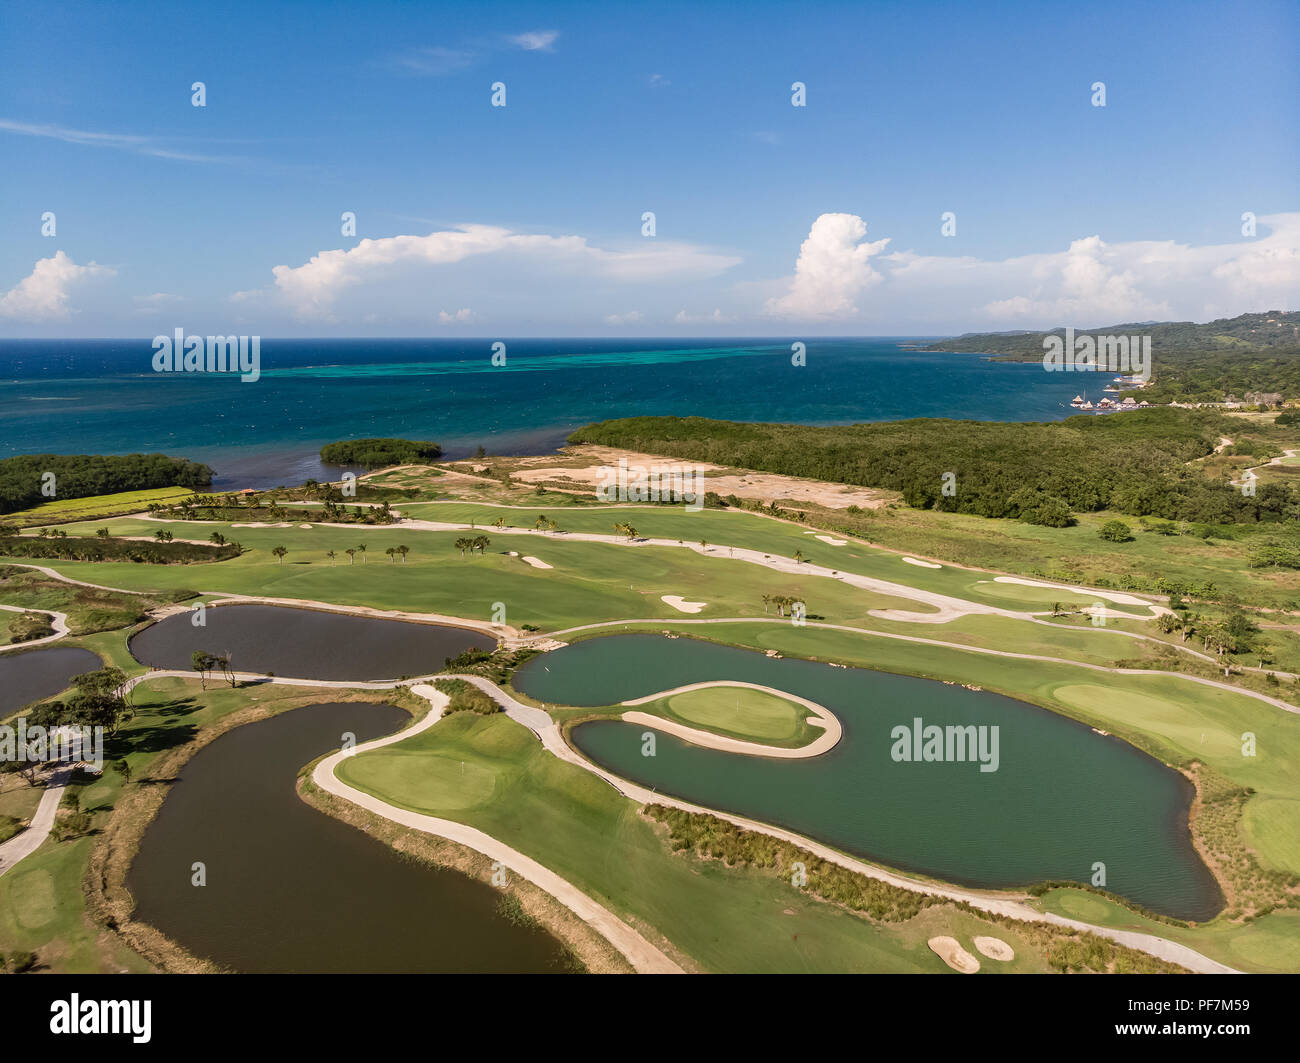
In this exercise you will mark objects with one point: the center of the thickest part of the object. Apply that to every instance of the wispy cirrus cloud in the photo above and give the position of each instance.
(439, 60)
(134, 143)
(536, 40)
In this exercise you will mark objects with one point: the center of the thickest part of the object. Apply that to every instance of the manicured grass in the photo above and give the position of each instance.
(588, 583)
(738, 712)
(428, 780)
(71, 509)
(727, 919)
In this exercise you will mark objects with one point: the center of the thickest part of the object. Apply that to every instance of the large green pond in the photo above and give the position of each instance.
(1062, 799)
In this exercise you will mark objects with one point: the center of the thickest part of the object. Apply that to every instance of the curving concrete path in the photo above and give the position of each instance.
(26, 842)
(58, 621)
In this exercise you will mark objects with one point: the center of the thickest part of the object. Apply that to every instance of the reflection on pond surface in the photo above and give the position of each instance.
(28, 675)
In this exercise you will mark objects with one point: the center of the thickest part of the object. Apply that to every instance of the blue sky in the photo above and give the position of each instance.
(769, 218)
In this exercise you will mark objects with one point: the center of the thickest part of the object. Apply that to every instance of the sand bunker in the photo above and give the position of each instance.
(304, 525)
(950, 951)
(260, 524)
(1110, 596)
(832, 541)
(995, 949)
(537, 563)
(919, 563)
(681, 604)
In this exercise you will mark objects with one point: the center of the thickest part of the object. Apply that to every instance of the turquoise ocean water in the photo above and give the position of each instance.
(102, 396)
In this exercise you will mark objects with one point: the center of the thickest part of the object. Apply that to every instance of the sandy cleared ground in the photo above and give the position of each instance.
(919, 563)
(681, 604)
(760, 485)
(950, 951)
(995, 949)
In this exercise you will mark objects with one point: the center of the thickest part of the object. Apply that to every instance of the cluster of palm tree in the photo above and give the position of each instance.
(543, 523)
(1232, 634)
(478, 542)
(393, 551)
(626, 529)
(781, 601)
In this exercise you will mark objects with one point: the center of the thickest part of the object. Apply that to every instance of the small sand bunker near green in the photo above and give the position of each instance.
(681, 604)
(537, 562)
(950, 951)
(831, 539)
(995, 949)
(919, 563)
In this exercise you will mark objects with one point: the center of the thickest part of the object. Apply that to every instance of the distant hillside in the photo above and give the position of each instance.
(1249, 332)
(1230, 358)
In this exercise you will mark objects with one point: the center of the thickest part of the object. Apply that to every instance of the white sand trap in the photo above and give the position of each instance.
(1110, 596)
(304, 525)
(833, 541)
(258, 524)
(919, 563)
(681, 604)
(995, 949)
(950, 951)
(512, 553)
(537, 562)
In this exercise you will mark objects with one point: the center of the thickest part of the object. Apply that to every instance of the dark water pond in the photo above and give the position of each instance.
(291, 889)
(305, 643)
(1062, 799)
(28, 675)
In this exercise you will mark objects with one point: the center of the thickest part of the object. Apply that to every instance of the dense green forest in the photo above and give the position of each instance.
(1192, 362)
(376, 453)
(82, 475)
(1135, 462)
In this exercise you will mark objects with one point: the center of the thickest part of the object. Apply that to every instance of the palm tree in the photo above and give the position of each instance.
(482, 542)
(630, 531)
(798, 557)
(552, 526)
(540, 522)
(704, 544)
(1264, 652)
(217, 538)
(361, 548)
(351, 552)
(331, 555)
(102, 533)
(391, 552)
(500, 522)
(279, 552)
(462, 544)
(767, 600)
(403, 550)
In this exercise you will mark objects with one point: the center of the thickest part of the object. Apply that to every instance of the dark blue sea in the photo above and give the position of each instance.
(102, 396)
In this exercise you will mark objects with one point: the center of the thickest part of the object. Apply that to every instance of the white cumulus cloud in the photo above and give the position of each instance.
(43, 295)
(310, 290)
(833, 269)
(459, 317)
